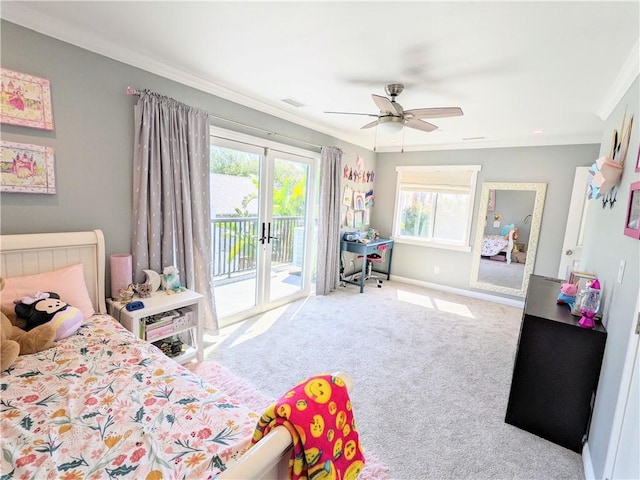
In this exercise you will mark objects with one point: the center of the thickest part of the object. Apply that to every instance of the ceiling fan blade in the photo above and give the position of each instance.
(437, 112)
(385, 105)
(352, 113)
(420, 125)
(369, 125)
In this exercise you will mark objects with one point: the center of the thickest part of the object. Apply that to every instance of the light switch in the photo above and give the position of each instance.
(496, 224)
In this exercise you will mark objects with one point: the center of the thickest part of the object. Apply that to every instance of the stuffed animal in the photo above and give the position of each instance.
(15, 341)
(567, 294)
(47, 308)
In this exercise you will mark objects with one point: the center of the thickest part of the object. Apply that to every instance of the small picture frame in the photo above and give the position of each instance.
(492, 201)
(25, 100)
(632, 221)
(26, 168)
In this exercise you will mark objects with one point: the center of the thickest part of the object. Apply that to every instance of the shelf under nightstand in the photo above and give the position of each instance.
(161, 302)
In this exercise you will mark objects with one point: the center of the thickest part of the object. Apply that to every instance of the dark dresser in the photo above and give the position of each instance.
(556, 369)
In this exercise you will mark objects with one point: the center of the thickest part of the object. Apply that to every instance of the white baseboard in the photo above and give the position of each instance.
(589, 474)
(461, 291)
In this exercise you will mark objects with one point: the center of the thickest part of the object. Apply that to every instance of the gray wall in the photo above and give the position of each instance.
(553, 165)
(605, 246)
(93, 136)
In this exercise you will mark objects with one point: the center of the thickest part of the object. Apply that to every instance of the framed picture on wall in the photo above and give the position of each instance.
(492, 201)
(25, 100)
(632, 224)
(26, 168)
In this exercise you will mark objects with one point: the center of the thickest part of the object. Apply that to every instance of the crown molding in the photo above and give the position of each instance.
(628, 73)
(21, 14)
(557, 140)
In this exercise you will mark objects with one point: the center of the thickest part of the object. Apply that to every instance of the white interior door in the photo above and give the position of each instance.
(572, 244)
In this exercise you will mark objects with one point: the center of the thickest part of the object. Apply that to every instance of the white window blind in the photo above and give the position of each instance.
(434, 204)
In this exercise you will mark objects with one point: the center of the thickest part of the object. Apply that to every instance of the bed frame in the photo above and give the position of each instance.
(29, 254)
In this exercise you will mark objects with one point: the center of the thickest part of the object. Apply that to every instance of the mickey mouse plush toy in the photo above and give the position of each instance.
(45, 307)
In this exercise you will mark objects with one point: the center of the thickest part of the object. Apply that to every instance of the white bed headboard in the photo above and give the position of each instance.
(29, 254)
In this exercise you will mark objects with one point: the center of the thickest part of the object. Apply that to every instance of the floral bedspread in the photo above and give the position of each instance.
(104, 404)
(493, 244)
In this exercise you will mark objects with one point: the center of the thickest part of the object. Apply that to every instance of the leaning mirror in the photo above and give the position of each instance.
(504, 251)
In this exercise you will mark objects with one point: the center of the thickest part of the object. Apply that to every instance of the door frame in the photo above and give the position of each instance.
(270, 147)
(633, 346)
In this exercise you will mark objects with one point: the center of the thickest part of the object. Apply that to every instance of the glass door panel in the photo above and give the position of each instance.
(288, 226)
(235, 205)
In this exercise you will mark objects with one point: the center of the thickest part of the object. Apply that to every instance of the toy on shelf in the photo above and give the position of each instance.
(567, 294)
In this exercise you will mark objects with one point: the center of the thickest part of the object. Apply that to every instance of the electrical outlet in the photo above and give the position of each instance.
(436, 270)
(621, 270)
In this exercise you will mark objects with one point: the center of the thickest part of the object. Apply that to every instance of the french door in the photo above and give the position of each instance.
(262, 225)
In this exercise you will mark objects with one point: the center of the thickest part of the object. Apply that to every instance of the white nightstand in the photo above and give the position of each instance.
(159, 302)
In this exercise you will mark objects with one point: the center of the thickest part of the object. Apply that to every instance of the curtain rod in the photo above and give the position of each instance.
(135, 91)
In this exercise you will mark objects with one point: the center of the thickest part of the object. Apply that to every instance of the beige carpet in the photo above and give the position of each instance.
(431, 375)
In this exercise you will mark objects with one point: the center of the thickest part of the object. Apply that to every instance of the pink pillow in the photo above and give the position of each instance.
(68, 282)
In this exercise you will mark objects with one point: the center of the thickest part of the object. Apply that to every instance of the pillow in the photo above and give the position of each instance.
(506, 229)
(68, 282)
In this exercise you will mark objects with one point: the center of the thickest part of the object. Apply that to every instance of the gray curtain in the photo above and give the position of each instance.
(171, 209)
(328, 276)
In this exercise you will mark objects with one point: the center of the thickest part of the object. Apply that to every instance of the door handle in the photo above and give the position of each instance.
(269, 237)
(569, 252)
(262, 237)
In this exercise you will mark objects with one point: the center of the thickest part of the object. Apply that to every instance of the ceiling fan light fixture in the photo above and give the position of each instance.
(390, 124)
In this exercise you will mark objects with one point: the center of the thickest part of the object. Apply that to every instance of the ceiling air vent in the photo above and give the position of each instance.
(293, 102)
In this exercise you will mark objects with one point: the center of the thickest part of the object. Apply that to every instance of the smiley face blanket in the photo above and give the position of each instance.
(318, 414)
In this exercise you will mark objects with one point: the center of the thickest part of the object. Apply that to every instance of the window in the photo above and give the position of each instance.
(434, 205)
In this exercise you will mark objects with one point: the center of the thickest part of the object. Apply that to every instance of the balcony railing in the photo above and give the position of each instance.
(235, 242)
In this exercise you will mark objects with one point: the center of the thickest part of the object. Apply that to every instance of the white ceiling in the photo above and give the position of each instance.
(514, 67)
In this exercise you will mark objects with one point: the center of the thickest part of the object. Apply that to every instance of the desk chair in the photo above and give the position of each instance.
(378, 257)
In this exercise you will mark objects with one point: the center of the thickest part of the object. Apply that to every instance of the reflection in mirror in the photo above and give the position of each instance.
(504, 251)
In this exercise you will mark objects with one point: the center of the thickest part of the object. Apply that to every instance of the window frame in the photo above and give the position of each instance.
(465, 244)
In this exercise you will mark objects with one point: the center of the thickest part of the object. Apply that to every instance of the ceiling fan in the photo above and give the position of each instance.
(393, 117)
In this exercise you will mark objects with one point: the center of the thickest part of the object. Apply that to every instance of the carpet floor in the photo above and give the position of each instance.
(431, 374)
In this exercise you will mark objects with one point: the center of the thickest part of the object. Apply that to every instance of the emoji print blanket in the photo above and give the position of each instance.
(318, 414)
